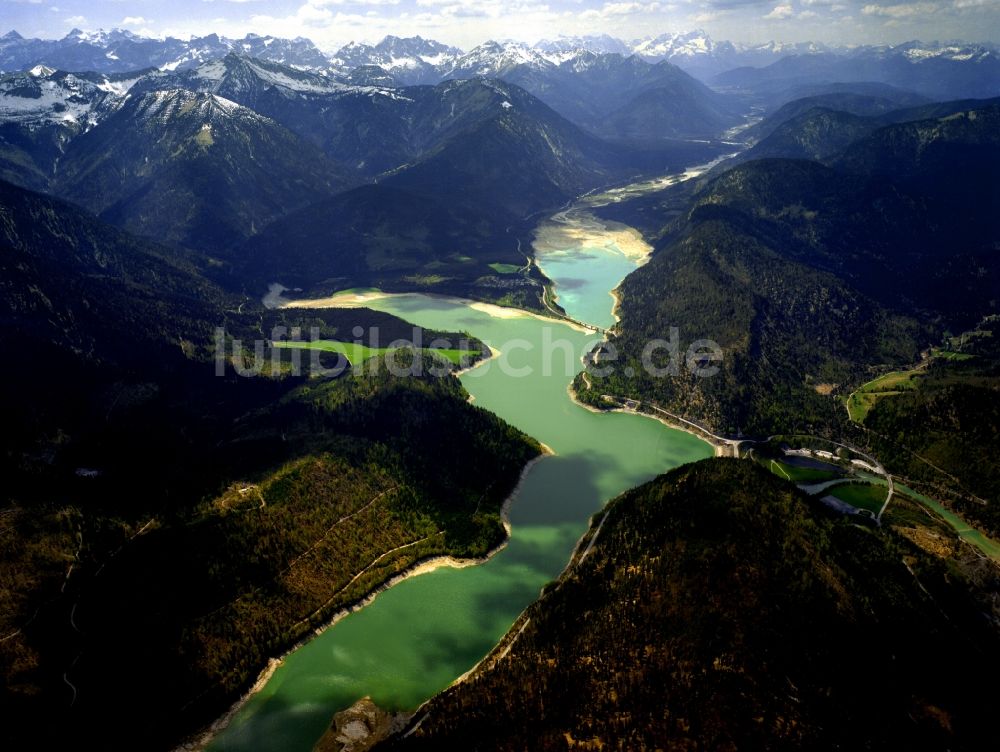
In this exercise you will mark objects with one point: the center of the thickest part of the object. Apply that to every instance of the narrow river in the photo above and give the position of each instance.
(417, 637)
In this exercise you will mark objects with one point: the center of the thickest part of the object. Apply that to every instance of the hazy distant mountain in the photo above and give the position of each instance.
(697, 53)
(672, 45)
(337, 113)
(928, 68)
(480, 154)
(246, 79)
(936, 71)
(497, 60)
(844, 101)
(610, 94)
(560, 49)
(355, 125)
(632, 99)
(517, 153)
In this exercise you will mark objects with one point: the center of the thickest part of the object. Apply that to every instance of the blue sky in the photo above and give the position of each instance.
(331, 23)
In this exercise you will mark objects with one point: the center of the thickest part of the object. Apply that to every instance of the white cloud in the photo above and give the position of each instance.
(780, 12)
(133, 21)
(76, 20)
(901, 10)
(709, 16)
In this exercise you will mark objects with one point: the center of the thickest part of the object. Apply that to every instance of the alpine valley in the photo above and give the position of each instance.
(596, 393)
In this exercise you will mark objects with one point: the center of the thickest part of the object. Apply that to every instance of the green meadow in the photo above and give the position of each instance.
(800, 474)
(861, 495)
(505, 268)
(861, 402)
(357, 353)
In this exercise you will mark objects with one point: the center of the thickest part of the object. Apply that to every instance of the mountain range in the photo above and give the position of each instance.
(935, 71)
(923, 67)
(120, 50)
(209, 156)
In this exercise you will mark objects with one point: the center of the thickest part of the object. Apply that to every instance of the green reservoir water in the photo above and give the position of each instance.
(585, 274)
(417, 637)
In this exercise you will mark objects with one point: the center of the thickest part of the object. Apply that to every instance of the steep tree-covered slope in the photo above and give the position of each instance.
(804, 130)
(192, 169)
(855, 103)
(713, 608)
(806, 275)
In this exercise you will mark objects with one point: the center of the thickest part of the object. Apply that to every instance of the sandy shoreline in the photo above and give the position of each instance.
(494, 353)
(577, 227)
(203, 738)
(617, 302)
(359, 300)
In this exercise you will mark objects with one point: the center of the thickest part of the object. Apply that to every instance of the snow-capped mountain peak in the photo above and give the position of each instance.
(494, 59)
(242, 73)
(672, 45)
(120, 50)
(45, 96)
(410, 60)
(41, 71)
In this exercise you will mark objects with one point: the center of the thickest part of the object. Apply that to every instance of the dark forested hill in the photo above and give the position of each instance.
(855, 103)
(817, 133)
(822, 127)
(157, 515)
(717, 610)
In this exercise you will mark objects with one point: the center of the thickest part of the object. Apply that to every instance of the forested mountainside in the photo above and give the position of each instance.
(854, 102)
(822, 131)
(193, 170)
(132, 468)
(714, 608)
(808, 275)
